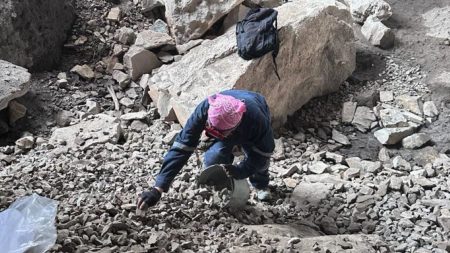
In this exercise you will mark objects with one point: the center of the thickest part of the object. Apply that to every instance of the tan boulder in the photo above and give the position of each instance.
(316, 55)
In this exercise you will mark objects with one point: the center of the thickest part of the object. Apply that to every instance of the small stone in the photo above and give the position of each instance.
(122, 79)
(377, 33)
(134, 115)
(410, 103)
(140, 61)
(395, 183)
(93, 107)
(290, 182)
(125, 36)
(84, 71)
(401, 164)
(393, 118)
(363, 118)
(114, 14)
(386, 96)
(292, 170)
(415, 140)
(300, 136)
(149, 39)
(383, 155)
(351, 173)
(126, 102)
(318, 167)
(62, 75)
(444, 219)
(25, 143)
(339, 137)
(430, 109)
(348, 111)
(336, 158)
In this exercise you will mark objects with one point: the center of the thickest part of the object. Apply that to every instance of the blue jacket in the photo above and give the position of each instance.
(254, 134)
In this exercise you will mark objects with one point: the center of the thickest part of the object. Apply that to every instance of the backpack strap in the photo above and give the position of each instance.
(275, 51)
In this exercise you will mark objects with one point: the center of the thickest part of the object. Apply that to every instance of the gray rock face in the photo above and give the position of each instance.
(190, 20)
(29, 36)
(14, 82)
(200, 72)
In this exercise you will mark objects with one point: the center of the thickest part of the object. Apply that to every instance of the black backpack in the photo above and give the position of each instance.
(257, 34)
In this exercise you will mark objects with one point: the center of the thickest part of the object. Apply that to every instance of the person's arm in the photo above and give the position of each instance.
(184, 145)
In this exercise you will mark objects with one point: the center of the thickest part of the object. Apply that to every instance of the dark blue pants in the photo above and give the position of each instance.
(254, 166)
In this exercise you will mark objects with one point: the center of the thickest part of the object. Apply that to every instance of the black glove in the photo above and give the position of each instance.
(232, 171)
(149, 197)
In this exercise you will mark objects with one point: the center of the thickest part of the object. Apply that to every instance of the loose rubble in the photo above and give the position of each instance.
(105, 147)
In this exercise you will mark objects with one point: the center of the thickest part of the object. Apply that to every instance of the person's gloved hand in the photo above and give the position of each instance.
(148, 198)
(232, 171)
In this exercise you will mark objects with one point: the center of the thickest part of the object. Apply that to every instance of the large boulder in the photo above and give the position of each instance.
(191, 19)
(33, 32)
(14, 82)
(317, 54)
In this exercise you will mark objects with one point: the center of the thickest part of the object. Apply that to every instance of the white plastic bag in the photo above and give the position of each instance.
(28, 225)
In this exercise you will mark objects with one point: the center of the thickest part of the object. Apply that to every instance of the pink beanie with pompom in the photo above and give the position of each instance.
(225, 112)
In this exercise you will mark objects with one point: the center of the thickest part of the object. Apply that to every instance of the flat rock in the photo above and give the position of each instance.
(14, 82)
(415, 140)
(363, 118)
(200, 72)
(386, 96)
(318, 167)
(410, 103)
(310, 193)
(390, 136)
(149, 39)
(114, 14)
(285, 232)
(84, 71)
(100, 129)
(339, 137)
(393, 118)
(134, 115)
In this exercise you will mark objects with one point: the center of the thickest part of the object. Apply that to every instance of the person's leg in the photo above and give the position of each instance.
(260, 176)
(259, 165)
(218, 153)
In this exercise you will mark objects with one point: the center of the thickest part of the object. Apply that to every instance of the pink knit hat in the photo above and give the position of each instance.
(225, 112)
